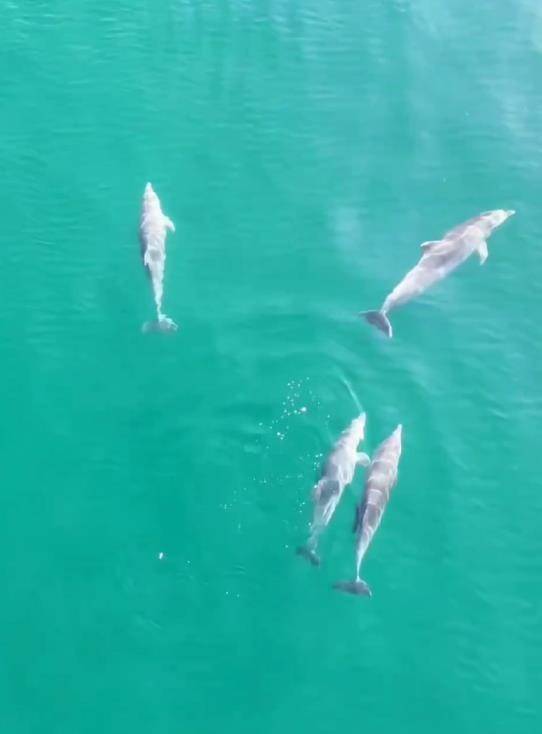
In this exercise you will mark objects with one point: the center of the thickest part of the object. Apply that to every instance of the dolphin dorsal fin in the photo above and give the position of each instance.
(429, 245)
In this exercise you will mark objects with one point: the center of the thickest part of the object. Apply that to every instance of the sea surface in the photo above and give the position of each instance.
(304, 149)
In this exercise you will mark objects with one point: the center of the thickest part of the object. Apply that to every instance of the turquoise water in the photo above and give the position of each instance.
(303, 150)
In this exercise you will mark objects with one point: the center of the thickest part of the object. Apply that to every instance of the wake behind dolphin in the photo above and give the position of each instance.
(381, 479)
(152, 234)
(337, 474)
(439, 259)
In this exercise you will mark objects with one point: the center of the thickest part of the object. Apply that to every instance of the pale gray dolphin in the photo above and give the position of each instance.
(152, 234)
(337, 473)
(439, 259)
(381, 479)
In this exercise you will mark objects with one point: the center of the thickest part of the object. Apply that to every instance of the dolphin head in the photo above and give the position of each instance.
(149, 193)
(397, 436)
(499, 216)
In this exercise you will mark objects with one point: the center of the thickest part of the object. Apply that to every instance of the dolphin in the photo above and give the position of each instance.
(337, 474)
(381, 479)
(440, 258)
(152, 235)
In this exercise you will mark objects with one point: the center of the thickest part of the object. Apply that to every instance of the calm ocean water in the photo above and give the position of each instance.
(304, 150)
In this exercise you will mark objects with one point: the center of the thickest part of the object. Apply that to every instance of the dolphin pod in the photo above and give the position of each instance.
(337, 473)
(440, 258)
(381, 479)
(153, 229)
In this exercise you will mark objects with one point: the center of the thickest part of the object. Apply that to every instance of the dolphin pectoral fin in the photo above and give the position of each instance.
(482, 251)
(362, 459)
(429, 245)
(169, 224)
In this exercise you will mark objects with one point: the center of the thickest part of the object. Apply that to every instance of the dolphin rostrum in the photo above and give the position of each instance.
(152, 235)
(381, 479)
(337, 474)
(439, 259)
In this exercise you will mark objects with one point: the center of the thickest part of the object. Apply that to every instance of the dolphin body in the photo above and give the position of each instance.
(152, 235)
(381, 479)
(439, 259)
(337, 473)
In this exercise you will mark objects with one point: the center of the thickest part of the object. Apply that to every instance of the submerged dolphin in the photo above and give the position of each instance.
(152, 234)
(337, 474)
(439, 259)
(381, 479)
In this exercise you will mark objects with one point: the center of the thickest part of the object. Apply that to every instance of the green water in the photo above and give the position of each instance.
(304, 150)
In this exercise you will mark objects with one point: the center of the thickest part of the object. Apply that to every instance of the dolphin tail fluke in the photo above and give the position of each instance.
(162, 323)
(380, 320)
(309, 554)
(358, 588)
